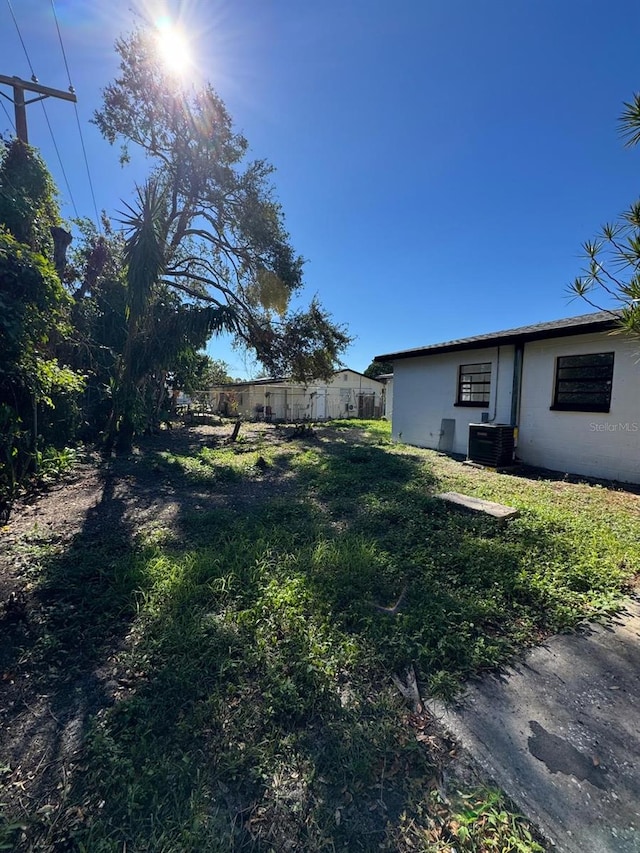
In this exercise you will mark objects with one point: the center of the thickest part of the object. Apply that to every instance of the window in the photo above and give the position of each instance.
(583, 382)
(474, 384)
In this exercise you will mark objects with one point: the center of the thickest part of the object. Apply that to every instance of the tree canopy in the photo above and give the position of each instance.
(28, 196)
(377, 368)
(208, 216)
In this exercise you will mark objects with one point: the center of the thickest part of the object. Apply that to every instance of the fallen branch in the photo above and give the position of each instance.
(410, 690)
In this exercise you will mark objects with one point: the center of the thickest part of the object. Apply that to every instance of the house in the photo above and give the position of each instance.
(347, 394)
(571, 389)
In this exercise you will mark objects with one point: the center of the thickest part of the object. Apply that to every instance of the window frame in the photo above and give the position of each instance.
(583, 405)
(465, 369)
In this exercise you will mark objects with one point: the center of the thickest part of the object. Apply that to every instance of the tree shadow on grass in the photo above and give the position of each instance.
(259, 712)
(234, 701)
(245, 735)
(268, 706)
(57, 669)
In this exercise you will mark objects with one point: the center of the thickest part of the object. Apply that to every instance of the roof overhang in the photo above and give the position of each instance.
(600, 321)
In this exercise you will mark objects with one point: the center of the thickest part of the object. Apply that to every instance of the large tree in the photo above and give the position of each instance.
(612, 273)
(159, 325)
(134, 337)
(209, 218)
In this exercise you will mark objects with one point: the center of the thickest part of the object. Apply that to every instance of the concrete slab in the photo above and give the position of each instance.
(479, 505)
(560, 733)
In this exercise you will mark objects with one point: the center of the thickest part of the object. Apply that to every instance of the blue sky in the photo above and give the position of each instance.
(439, 163)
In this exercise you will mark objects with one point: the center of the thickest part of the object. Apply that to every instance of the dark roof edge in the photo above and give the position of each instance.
(241, 383)
(283, 380)
(514, 336)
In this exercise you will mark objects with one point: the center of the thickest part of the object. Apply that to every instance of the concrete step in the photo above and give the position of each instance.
(479, 505)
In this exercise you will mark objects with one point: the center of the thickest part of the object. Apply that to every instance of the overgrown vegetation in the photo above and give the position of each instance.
(252, 706)
(38, 391)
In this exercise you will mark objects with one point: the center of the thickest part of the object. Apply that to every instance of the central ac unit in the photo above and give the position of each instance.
(491, 444)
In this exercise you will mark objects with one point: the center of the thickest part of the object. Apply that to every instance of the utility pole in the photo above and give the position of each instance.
(19, 87)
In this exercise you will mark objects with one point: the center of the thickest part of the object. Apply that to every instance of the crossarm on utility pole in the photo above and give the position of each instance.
(19, 104)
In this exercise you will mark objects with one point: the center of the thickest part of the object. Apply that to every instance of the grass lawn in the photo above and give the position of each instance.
(255, 708)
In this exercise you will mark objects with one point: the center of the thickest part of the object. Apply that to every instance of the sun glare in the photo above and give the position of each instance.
(173, 48)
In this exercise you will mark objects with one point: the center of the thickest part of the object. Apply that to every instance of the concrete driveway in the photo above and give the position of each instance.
(560, 733)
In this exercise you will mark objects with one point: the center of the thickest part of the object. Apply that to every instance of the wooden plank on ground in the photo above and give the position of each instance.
(479, 505)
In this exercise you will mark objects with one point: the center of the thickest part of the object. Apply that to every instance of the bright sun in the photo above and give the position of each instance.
(173, 48)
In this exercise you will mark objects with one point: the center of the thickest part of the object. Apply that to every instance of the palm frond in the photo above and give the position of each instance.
(146, 245)
(630, 121)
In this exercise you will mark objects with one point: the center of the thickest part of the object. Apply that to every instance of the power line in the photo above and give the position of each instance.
(75, 105)
(64, 174)
(44, 109)
(24, 47)
(86, 163)
(64, 53)
(71, 89)
(6, 112)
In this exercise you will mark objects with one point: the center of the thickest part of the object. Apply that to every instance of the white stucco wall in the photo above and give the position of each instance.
(591, 443)
(425, 392)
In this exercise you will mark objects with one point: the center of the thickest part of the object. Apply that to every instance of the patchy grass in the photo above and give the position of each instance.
(218, 465)
(257, 712)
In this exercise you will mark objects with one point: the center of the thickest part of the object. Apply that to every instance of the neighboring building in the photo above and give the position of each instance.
(570, 387)
(348, 394)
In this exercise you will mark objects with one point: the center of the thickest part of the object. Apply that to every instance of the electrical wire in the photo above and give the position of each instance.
(64, 174)
(75, 107)
(24, 47)
(6, 112)
(86, 163)
(44, 110)
(64, 53)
